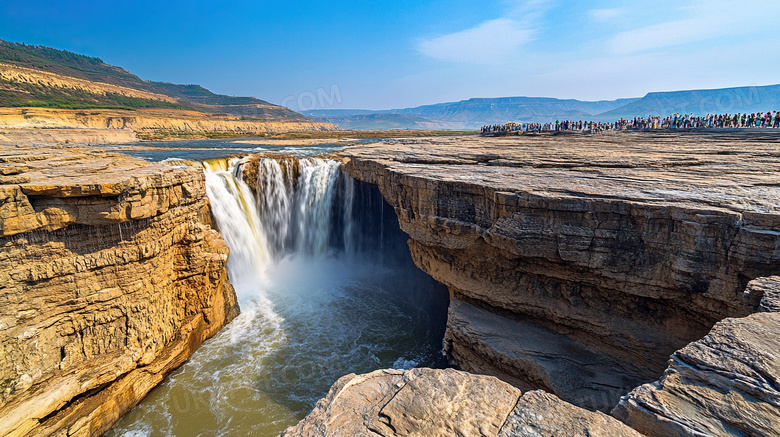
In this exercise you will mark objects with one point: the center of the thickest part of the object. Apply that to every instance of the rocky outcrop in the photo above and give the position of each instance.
(111, 275)
(252, 167)
(145, 122)
(579, 265)
(723, 384)
(425, 402)
(43, 137)
(531, 356)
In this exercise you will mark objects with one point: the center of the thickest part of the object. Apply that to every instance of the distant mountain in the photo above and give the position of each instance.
(359, 120)
(38, 76)
(474, 113)
(471, 114)
(342, 112)
(701, 102)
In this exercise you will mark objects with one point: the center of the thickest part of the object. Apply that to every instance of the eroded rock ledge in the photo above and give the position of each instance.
(111, 275)
(579, 265)
(425, 402)
(727, 383)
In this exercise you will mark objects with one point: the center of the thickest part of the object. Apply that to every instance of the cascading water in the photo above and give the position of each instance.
(326, 286)
(313, 205)
(275, 199)
(299, 210)
(235, 211)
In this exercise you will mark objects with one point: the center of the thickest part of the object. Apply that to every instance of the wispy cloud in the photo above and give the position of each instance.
(490, 41)
(608, 14)
(485, 43)
(700, 22)
(601, 51)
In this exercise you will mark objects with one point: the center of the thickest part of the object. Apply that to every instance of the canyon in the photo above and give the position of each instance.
(620, 284)
(112, 275)
(578, 265)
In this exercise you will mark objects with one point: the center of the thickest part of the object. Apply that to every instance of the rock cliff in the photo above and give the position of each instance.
(578, 265)
(723, 384)
(63, 136)
(143, 122)
(111, 275)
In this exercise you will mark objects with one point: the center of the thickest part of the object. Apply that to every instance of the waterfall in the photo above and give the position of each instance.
(311, 310)
(302, 207)
(275, 200)
(314, 198)
(347, 213)
(235, 211)
(306, 206)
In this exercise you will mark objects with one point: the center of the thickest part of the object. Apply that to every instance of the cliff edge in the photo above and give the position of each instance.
(426, 402)
(578, 265)
(723, 384)
(112, 275)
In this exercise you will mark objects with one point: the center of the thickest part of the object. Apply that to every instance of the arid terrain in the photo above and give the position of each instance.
(579, 265)
(630, 276)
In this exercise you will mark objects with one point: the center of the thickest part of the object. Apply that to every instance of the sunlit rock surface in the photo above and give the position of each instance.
(36, 126)
(426, 402)
(604, 254)
(111, 275)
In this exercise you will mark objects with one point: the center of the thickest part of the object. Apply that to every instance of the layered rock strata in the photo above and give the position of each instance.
(111, 275)
(57, 123)
(578, 265)
(425, 402)
(43, 137)
(727, 383)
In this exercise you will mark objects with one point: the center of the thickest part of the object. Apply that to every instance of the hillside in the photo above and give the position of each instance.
(701, 102)
(110, 87)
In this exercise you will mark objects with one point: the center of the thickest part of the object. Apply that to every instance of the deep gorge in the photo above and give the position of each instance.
(327, 287)
(575, 277)
(559, 271)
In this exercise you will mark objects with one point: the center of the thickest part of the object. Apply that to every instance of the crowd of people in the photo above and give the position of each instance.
(502, 128)
(710, 121)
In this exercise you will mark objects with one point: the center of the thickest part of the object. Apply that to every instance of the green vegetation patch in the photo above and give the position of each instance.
(16, 94)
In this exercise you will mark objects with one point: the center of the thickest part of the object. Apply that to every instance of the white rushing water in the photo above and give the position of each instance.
(299, 212)
(311, 310)
(235, 211)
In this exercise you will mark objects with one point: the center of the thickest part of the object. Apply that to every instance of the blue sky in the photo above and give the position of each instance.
(393, 54)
